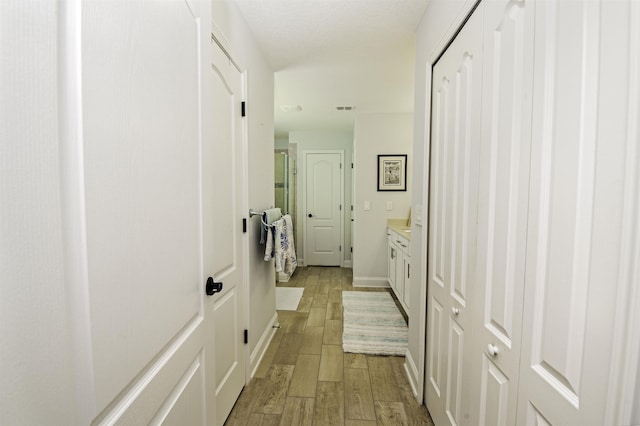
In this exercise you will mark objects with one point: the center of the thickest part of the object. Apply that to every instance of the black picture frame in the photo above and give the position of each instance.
(392, 172)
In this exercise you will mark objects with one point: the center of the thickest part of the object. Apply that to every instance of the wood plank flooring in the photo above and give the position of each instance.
(305, 378)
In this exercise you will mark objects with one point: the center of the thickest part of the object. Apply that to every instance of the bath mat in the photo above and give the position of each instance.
(373, 324)
(287, 298)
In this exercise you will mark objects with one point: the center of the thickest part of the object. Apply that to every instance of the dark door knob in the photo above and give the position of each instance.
(212, 287)
(310, 215)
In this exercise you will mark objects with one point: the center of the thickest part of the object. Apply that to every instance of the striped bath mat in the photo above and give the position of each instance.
(373, 324)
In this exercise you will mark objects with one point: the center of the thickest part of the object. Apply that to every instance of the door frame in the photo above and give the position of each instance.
(218, 38)
(304, 197)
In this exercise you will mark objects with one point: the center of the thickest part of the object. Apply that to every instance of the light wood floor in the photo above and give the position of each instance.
(306, 379)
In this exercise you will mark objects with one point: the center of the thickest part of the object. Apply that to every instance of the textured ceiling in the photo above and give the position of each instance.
(328, 53)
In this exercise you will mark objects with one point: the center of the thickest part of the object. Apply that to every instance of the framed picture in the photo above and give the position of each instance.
(392, 172)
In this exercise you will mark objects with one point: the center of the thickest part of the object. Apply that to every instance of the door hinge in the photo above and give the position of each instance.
(340, 165)
(408, 270)
(340, 207)
(244, 225)
(352, 165)
(244, 108)
(340, 248)
(246, 336)
(351, 249)
(351, 207)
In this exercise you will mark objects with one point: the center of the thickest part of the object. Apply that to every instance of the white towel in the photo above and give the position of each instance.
(284, 249)
(268, 217)
(268, 249)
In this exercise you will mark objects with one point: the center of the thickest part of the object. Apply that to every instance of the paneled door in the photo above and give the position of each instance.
(140, 351)
(502, 209)
(585, 115)
(323, 203)
(455, 141)
(221, 187)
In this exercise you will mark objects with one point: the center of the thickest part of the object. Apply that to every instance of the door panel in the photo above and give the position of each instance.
(141, 124)
(457, 79)
(222, 181)
(578, 154)
(323, 200)
(503, 205)
(454, 371)
(563, 209)
(494, 395)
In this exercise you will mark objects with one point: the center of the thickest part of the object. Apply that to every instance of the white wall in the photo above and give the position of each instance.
(319, 140)
(262, 301)
(36, 386)
(438, 25)
(281, 143)
(376, 134)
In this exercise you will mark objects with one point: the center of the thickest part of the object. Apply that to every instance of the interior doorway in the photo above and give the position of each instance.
(323, 200)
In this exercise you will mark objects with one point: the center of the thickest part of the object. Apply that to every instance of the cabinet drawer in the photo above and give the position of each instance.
(402, 242)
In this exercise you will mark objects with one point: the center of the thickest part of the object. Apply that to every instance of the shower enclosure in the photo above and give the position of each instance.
(285, 188)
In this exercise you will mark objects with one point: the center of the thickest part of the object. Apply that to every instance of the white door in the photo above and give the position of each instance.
(323, 204)
(502, 209)
(141, 353)
(456, 91)
(222, 217)
(583, 110)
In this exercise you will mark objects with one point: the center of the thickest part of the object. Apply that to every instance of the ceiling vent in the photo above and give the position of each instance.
(290, 108)
(345, 108)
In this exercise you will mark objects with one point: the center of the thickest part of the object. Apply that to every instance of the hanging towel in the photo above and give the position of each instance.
(284, 249)
(268, 217)
(268, 249)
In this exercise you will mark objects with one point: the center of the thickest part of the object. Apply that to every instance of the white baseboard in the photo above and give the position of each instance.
(283, 278)
(370, 282)
(347, 264)
(262, 345)
(412, 375)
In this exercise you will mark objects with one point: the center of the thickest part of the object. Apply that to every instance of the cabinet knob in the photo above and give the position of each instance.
(455, 311)
(493, 350)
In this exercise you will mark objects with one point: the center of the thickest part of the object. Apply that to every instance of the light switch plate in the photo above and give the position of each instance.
(389, 205)
(367, 205)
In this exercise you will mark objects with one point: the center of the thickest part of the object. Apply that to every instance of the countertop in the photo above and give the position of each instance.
(399, 226)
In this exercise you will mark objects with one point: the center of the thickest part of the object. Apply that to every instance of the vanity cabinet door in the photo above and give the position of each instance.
(406, 282)
(392, 255)
(399, 281)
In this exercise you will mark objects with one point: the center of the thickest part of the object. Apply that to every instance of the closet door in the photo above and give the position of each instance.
(583, 131)
(456, 89)
(502, 208)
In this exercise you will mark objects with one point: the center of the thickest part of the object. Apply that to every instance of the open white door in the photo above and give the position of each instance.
(144, 346)
(222, 186)
(323, 203)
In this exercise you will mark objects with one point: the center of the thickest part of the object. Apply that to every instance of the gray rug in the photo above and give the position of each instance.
(373, 324)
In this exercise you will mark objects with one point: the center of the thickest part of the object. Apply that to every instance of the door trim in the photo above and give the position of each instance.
(304, 197)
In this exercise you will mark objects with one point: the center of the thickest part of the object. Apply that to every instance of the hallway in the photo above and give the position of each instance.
(306, 379)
